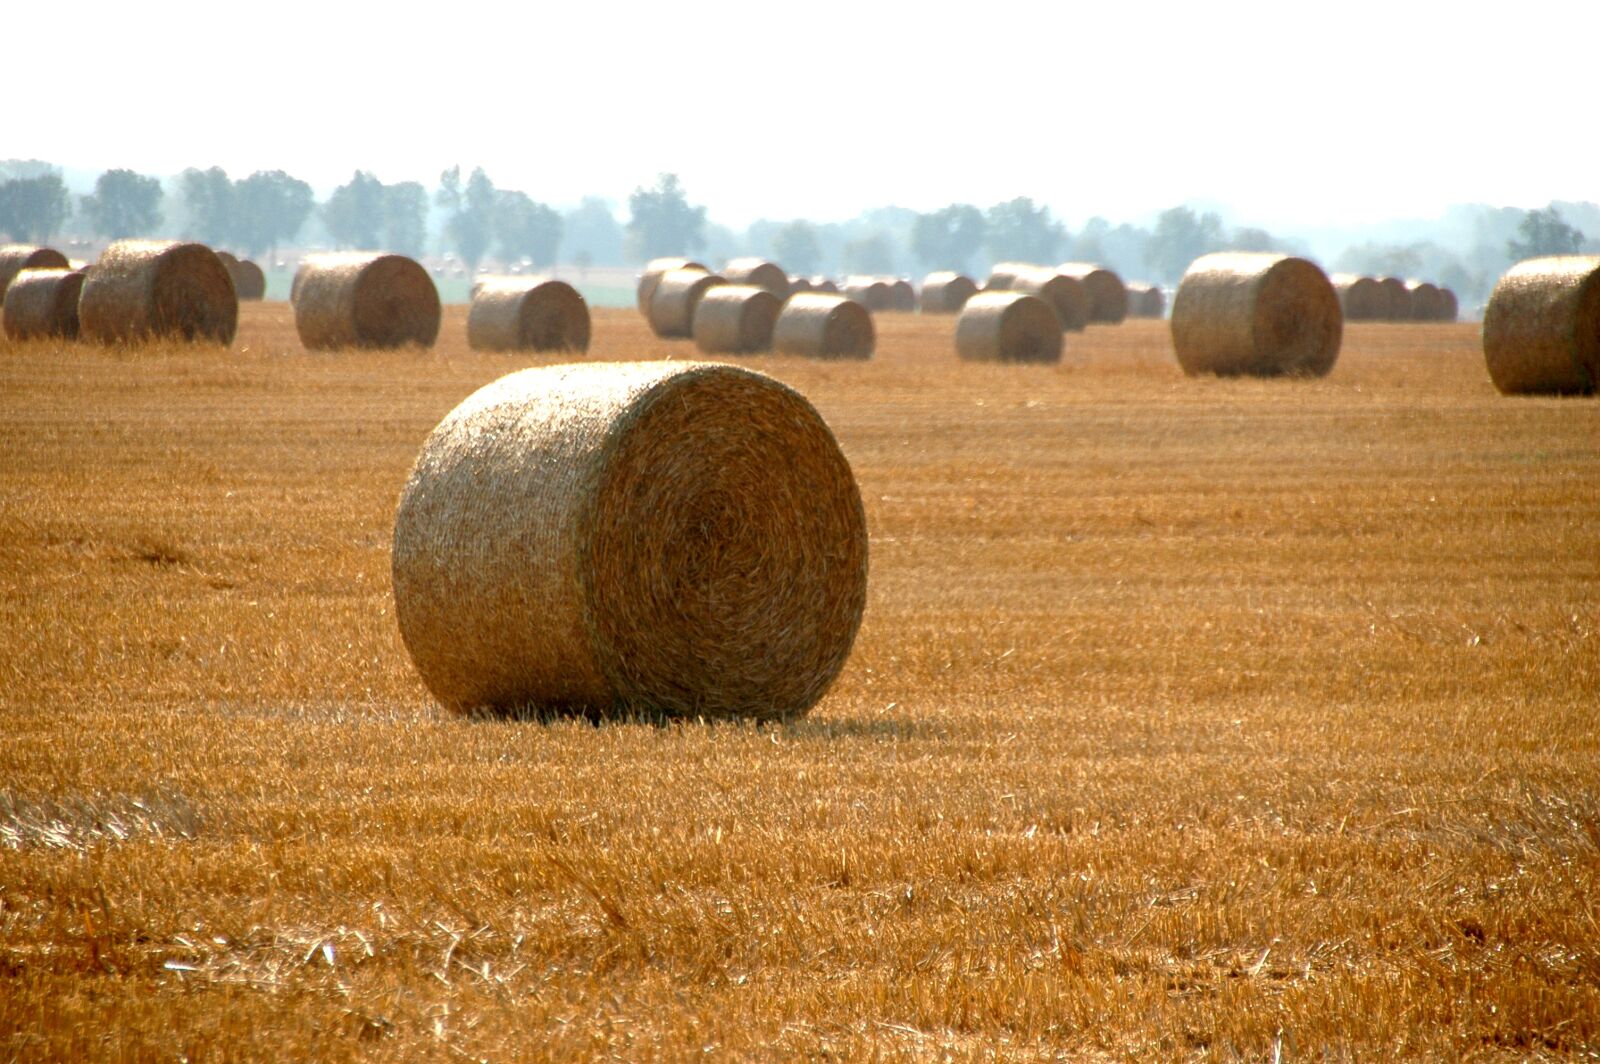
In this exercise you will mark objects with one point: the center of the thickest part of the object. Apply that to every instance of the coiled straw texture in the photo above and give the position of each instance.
(1256, 314)
(141, 289)
(824, 325)
(43, 303)
(365, 299)
(735, 319)
(1541, 330)
(1005, 326)
(527, 314)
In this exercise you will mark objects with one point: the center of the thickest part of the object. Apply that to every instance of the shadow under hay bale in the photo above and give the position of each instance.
(1256, 314)
(1067, 296)
(1008, 327)
(946, 292)
(366, 299)
(824, 325)
(1541, 330)
(43, 303)
(676, 295)
(248, 280)
(1108, 296)
(735, 319)
(145, 289)
(631, 539)
(14, 258)
(527, 314)
(758, 272)
(654, 270)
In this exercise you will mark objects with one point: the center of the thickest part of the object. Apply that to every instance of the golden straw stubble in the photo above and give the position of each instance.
(679, 538)
(1541, 330)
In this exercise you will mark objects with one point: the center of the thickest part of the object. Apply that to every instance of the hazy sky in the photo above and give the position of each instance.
(1290, 113)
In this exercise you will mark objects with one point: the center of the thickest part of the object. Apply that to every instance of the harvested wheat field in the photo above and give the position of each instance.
(1224, 718)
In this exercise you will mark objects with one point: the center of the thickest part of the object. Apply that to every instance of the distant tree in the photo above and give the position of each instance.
(11, 169)
(123, 204)
(1252, 239)
(33, 208)
(795, 248)
(470, 227)
(405, 218)
(1544, 233)
(592, 229)
(948, 238)
(208, 203)
(527, 229)
(662, 222)
(869, 254)
(269, 207)
(355, 213)
(1382, 260)
(1179, 238)
(1021, 231)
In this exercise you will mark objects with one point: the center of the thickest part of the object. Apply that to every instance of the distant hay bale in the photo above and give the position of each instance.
(1361, 298)
(17, 257)
(902, 295)
(1541, 330)
(43, 303)
(758, 272)
(228, 259)
(1108, 297)
(147, 289)
(1449, 306)
(673, 301)
(1145, 300)
(824, 284)
(1398, 299)
(799, 284)
(1256, 314)
(1003, 274)
(823, 325)
(527, 314)
(653, 271)
(1067, 296)
(1008, 326)
(871, 292)
(1426, 302)
(365, 299)
(946, 292)
(248, 280)
(631, 538)
(735, 319)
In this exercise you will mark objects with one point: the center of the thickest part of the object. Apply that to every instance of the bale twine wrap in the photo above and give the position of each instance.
(1398, 299)
(1067, 296)
(758, 272)
(1541, 330)
(1008, 327)
(946, 292)
(43, 303)
(672, 304)
(142, 289)
(365, 299)
(1108, 296)
(1145, 300)
(824, 325)
(527, 314)
(248, 280)
(870, 292)
(1449, 306)
(902, 296)
(1426, 302)
(1003, 274)
(1256, 314)
(681, 538)
(1361, 298)
(654, 270)
(15, 258)
(735, 319)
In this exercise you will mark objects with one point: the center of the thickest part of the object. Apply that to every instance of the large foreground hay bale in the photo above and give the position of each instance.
(43, 303)
(15, 258)
(1449, 306)
(1256, 314)
(365, 299)
(653, 272)
(1361, 298)
(527, 314)
(676, 295)
(1108, 296)
(631, 538)
(735, 319)
(1398, 299)
(871, 292)
(1541, 331)
(143, 289)
(1008, 327)
(946, 292)
(1145, 300)
(248, 280)
(758, 272)
(1067, 296)
(823, 325)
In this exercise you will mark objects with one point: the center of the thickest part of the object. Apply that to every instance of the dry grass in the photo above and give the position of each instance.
(1189, 718)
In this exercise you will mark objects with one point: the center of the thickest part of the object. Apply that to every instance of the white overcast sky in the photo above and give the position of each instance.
(1290, 113)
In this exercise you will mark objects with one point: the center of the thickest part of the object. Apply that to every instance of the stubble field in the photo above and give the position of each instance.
(1189, 718)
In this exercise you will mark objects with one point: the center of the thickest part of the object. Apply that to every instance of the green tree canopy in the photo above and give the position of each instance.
(869, 254)
(269, 207)
(947, 238)
(405, 218)
(1021, 231)
(527, 229)
(470, 227)
(208, 203)
(33, 208)
(591, 229)
(1180, 238)
(1544, 233)
(662, 222)
(123, 204)
(354, 214)
(796, 249)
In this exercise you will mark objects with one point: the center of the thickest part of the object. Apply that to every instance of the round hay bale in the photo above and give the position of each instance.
(228, 259)
(902, 296)
(158, 288)
(1108, 296)
(799, 284)
(735, 319)
(1145, 300)
(248, 280)
(43, 303)
(1003, 274)
(527, 314)
(1008, 327)
(676, 295)
(1067, 296)
(758, 272)
(1449, 306)
(653, 271)
(824, 284)
(15, 258)
(365, 299)
(294, 283)
(823, 325)
(870, 292)
(946, 292)
(1398, 299)
(1426, 302)
(1541, 330)
(631, 538)
(1256, 314)
(1361, 298)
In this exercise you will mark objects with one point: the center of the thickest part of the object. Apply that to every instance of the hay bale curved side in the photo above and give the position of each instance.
(1008, 326)
(824, 325)
(758, 272)
(1361, 298)
(43, 303)
(1003, 274)
(871, 292)
(367, 299)
(1108, 296)
(1256, 314)
(800, 284)
(824, 284)
(1541, 330)
(1067, 296)
(14, 258)
(1397, 299)
(248, 280)
(735, 319)
(622, 538)
(143, 289)
(1145, 300)
(653, 272)
(902, 295)
(1426, 302)
(672, 304)
(1449, 305)
(946, 292)
(527, 314)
